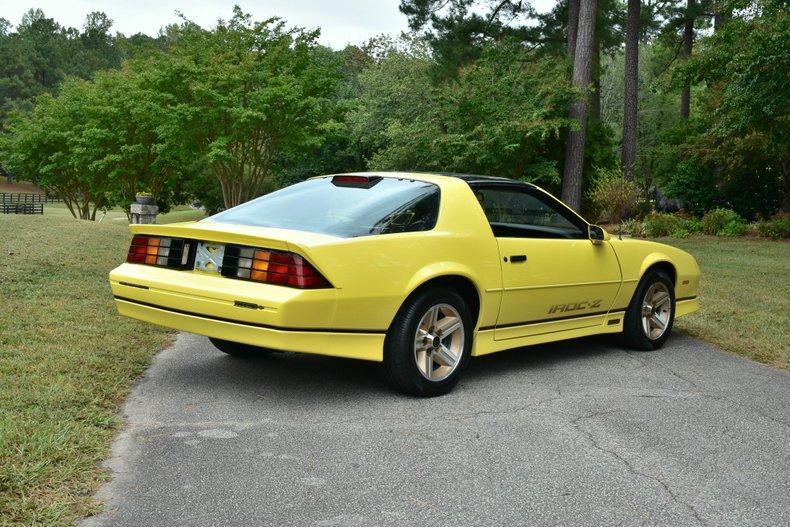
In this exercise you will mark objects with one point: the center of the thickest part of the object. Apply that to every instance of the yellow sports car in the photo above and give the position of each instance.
(417, 271)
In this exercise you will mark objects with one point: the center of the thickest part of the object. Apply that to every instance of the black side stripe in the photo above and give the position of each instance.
(541, 321)
(253, 324)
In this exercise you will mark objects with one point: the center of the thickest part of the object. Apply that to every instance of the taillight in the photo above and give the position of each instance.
(158, 250)
(271, 267)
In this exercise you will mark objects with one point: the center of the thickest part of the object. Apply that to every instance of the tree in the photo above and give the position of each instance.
(246, 94)
(40, 54)
(99, 142)
(139, 150)
(742, 135)
(631, 95)
(503, 115)
(582, 65)
(99, 49)
(688, 42)
(573, 27)
(458, 30)
(56, 142)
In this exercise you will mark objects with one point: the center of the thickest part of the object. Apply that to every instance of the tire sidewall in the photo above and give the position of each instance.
(633, 322)
(399, 343)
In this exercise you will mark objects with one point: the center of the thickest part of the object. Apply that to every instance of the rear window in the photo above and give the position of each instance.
(384, 206)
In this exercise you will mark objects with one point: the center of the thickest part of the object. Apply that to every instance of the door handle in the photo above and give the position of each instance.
(517, 258)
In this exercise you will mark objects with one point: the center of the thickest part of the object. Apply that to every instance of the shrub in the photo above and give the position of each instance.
(658, 224)
(723, 222)
(733, 229)
(778, 227)
(632, 227)
(694, 185)
(692, 225)
(613, 197)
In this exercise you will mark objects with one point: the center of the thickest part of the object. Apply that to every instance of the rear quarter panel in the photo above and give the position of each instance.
(375, 274)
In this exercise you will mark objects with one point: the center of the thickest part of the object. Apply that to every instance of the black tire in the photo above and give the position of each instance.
(633, 335)
(237, 349)
(400, 367)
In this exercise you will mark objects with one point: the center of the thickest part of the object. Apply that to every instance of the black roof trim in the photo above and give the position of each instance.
(469, 178)
(477, 178)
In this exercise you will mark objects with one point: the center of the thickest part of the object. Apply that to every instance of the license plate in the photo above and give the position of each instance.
(208, 257)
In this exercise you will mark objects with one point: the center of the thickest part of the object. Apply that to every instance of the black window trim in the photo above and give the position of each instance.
(560, 207)
(437, 191)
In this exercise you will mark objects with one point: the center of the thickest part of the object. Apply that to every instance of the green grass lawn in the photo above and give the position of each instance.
(67, 360)
(745, 296)
(180, 213)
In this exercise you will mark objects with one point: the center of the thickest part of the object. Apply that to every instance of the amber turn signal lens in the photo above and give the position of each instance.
(271, 267)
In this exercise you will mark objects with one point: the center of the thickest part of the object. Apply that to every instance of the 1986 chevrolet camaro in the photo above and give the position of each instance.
(417, 271)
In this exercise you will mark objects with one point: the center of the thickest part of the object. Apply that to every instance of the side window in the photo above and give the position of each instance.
(419, 214)
(522, 214)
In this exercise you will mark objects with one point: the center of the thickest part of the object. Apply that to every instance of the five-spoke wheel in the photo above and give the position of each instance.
(439, 342)
(429, 343)
(656, 310)
(649, 317)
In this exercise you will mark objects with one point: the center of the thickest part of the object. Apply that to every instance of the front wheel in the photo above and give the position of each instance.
(428, 344)
(649, 317)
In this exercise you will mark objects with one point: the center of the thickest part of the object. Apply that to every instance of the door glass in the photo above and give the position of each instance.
(520, 214)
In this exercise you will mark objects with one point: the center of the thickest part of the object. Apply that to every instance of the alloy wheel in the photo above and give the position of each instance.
(656, 311)
(439, 342)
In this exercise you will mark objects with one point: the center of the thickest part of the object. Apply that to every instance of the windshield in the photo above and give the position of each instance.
(383, 206)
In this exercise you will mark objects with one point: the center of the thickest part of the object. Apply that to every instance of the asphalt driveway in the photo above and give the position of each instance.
(576, 433)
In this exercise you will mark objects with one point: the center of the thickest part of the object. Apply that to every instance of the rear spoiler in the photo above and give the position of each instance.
(283, 239)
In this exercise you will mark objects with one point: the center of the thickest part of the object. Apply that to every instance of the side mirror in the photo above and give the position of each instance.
(597, 234)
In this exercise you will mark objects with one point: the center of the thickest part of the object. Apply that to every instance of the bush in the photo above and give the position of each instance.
(733, 229)
(778, 227)
(723, 222)
(657, 224)
(675, 225)
(694, 185)
(632, 227)
(613, 197)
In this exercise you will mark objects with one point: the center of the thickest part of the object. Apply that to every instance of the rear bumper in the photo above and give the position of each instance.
(263, 315)
(348, 344)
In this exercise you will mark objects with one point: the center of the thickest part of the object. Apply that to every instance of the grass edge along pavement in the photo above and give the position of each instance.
(67, 362)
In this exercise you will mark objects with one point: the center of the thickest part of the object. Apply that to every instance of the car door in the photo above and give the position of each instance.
(553, 277)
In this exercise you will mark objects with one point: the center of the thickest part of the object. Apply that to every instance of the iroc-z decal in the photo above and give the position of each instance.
(564, 308)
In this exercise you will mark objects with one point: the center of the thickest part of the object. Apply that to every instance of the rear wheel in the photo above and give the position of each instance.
(649, 317)
(238, 349)
(428, 344)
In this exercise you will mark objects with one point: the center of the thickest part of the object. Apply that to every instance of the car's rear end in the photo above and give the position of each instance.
(236, 278)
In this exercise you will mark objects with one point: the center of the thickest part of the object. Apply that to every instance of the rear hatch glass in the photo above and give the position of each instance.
(337, 208)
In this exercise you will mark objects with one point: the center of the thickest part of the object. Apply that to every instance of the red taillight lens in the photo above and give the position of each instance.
(156, 250)
(271, 267)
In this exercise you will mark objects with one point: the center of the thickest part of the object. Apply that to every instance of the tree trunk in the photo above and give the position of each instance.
(573, 27)
(631, 97)
(720, 15)
(574, 147)
(595, 97)
(688, 42)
